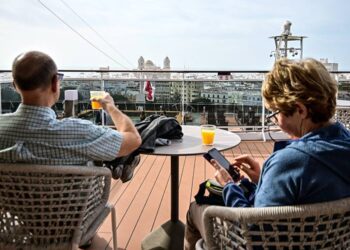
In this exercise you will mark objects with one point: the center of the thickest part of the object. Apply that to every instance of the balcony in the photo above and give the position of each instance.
(232, 102)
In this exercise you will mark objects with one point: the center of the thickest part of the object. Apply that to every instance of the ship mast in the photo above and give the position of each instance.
(287, 45)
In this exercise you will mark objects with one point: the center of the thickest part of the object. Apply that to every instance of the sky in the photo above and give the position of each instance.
(194, 34)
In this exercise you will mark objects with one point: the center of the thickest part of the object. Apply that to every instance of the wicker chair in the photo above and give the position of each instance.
(316, 226)
(52, 207)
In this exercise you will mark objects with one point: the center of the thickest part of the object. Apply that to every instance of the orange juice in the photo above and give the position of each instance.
(208, 136)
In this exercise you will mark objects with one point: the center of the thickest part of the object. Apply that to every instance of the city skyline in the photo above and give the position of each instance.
(226, 35)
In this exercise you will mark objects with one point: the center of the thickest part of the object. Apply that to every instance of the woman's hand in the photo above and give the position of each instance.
(221, 175)
(248, 165)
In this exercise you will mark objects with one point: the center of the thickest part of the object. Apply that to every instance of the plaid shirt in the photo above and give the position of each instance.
(34, 135)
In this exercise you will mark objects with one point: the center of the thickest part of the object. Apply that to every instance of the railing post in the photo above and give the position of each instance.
(102, 111)
(263, 115)
(183, 100)
(0, 100)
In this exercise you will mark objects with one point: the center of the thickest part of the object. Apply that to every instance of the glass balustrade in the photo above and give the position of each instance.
(230, 100)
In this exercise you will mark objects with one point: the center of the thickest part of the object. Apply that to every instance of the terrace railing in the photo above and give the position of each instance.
(228, 99)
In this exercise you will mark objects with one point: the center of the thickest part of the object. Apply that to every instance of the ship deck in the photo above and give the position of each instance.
(143, 203)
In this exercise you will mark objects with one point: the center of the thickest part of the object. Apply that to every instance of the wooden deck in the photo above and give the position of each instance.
(143, 203)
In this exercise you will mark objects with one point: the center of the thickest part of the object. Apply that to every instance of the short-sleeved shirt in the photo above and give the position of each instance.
(33, 135)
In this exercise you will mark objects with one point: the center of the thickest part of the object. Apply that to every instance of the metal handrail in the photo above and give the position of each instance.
(170, 71)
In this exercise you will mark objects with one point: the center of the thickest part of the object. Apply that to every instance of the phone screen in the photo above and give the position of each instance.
(215, 154)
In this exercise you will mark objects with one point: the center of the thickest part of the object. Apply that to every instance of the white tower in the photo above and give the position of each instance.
(166, 63)
(141, 63)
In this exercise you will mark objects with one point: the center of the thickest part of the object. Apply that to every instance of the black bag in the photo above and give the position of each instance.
(154, 130)
(215, 194)
(157, 127)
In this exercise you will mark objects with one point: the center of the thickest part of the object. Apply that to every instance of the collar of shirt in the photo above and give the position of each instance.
(24, 110)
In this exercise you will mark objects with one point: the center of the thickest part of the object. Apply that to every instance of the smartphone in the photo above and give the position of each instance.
(215, 154)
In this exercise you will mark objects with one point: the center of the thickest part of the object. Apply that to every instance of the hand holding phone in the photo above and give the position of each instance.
(216, 155)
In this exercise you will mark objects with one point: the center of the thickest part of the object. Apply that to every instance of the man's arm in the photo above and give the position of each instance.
(131, 137)
(124, 125)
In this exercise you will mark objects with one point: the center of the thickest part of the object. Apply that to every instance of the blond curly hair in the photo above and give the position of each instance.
(306, 81)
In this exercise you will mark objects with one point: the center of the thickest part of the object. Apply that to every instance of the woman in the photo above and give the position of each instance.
(312, 167)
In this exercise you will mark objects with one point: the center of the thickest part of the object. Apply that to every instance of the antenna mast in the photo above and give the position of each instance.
(287, 45)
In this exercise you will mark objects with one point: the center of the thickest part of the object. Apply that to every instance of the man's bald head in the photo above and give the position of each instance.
(33, 70)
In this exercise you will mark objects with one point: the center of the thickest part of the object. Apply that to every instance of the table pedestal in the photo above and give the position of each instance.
(170, 235)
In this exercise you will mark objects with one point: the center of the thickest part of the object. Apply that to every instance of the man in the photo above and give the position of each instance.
(32, 134)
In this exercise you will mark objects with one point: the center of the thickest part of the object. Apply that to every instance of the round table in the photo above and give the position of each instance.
(190, 144)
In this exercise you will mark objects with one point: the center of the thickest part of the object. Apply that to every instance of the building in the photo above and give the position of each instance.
(216, 95)
(329, 66)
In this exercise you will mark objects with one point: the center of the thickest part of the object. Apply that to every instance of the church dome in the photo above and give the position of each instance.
(149, 63)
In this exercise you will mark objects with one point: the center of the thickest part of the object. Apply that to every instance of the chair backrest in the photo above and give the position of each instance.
(49, 207)
(315, 226)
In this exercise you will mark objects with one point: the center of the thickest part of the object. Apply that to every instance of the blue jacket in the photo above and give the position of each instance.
(314, 168)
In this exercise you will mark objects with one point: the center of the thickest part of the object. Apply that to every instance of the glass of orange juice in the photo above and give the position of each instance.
(96, 94)
(208, 134)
